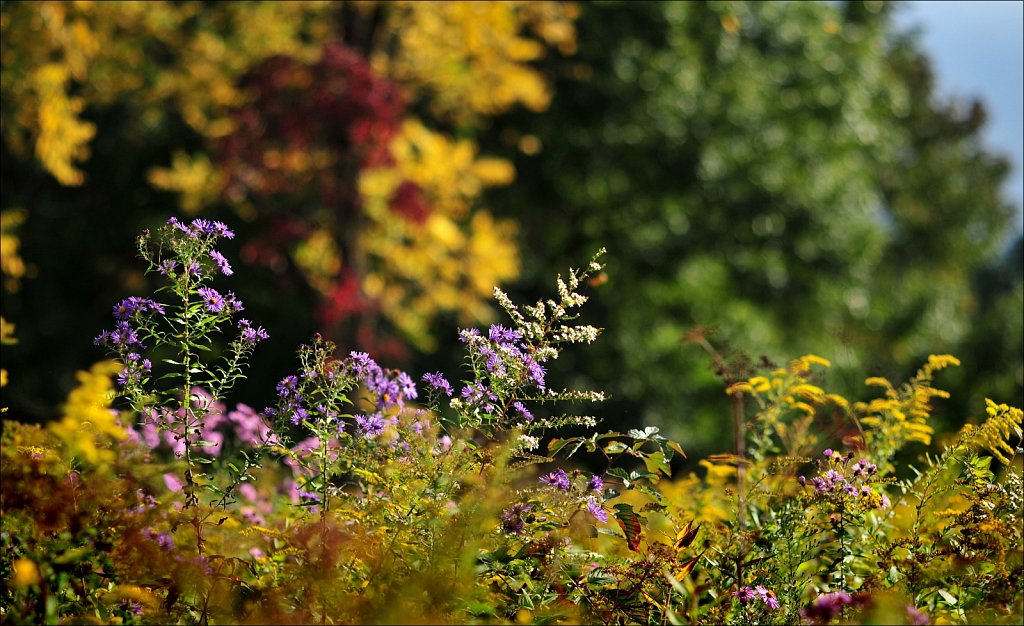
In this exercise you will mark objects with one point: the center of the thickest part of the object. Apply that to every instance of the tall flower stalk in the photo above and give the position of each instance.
(178, 334)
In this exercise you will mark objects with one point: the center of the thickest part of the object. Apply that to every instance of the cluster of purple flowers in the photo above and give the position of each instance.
(505, 360)
(214, 302)
(248, 335)
(512, 521)
(558, 479)
(199, 227)
(746, 594)
(830, 606)
(125, 337)
(135, 369)
(387, 389)
(561, 481)
(834, 483)
(594, 508)
(439, 383)
(129, 307)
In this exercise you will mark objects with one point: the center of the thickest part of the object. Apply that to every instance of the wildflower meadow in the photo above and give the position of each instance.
(505, 312)
(368, 494)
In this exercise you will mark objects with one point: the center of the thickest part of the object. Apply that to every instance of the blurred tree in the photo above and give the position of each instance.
(310, 121)
(782, 174)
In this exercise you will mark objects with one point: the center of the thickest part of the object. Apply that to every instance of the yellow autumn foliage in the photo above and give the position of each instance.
(89, 425)
(473, 57)
(467, 60)
(451, 261)
(11, 264)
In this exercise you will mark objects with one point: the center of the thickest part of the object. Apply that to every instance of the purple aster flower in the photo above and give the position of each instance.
(595, 484)
(830, 605)
(124, 309)
(233, 302)
(828, 452)
(535, 372)
(480, 396)
(406, 386)
(249, 334)
(221, 229)
(499, 334)
(492, 361)
(512, 518)
(125, 336)
(363, 365)
(467, 335)
(167, 267)
(214, 301)
(594, 508)
(185, 229)
(202, 226)
(286, 388)
(222, 263)
(557, 478)
(385, 391)
(523, 411)
(744, 594)
(371, 425)
(300, 414)
(105, 337)
(437, 381)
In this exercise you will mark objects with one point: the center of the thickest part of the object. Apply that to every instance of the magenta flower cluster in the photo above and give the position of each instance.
(838, 478)
(766, 596)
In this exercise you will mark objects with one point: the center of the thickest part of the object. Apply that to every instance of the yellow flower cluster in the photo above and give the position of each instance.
(787, 401)
(89, 425)
(1003, 422)
(901, 415)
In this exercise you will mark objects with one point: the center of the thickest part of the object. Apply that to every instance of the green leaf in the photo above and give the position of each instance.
(675, 446)
(615, 447)
(655, 463)
(948, 597)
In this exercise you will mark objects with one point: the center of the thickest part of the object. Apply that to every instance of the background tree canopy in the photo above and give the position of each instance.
(780, 177)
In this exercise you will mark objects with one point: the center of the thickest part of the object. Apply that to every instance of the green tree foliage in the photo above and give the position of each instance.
(783, 173)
